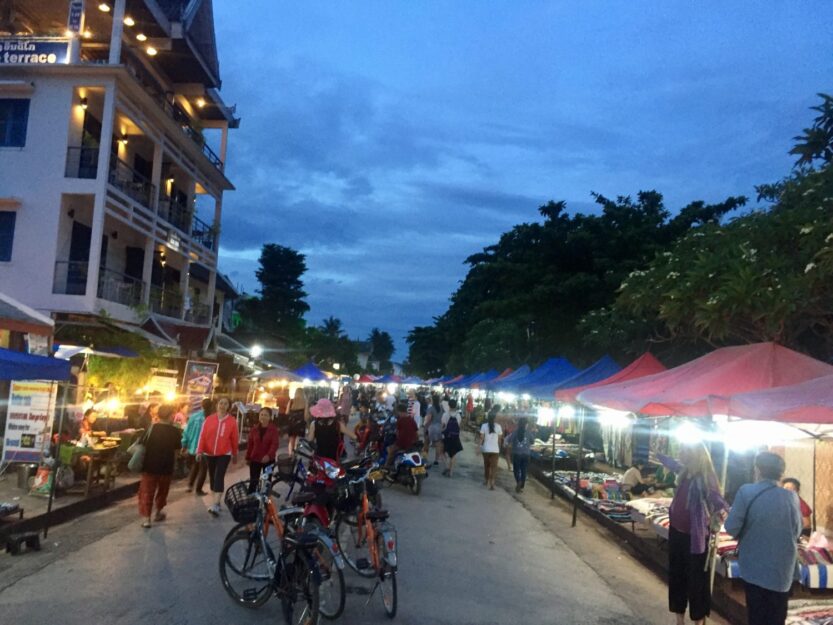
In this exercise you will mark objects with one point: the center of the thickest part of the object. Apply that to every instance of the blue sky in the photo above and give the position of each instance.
(389, 140)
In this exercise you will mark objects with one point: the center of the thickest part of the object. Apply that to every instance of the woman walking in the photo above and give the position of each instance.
(697, 503)
(451, 444)
(519, 442)
(190, 440)
(490, 440)
(297, 418)
(219, 444)
(261, 446)
(161, 444)
(434, 429)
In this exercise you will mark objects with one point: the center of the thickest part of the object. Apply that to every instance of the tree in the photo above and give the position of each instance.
(381, 348)
(428, 351)
(281, 307)
(327, 345)
(331, 327)
(816, 143)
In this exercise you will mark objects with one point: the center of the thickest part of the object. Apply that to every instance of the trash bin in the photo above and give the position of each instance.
(24, 472)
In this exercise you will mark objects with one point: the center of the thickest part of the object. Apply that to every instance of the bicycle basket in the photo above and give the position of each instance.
(242, 506)
(285, 466)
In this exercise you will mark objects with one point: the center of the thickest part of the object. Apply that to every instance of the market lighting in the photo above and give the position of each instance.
(566, 411)
(129, 21)
(334, 385)
(526, 396)
(170, 396)
(84, 103)
(545, 415)
(104, 7)
(689, 434)
(391, 388)
(88, 34)
(151, 51)
(256, 351)
(141, 37)
(306, 382)
(613, 418)
(200, 102)
(113, 404)
(507, 397)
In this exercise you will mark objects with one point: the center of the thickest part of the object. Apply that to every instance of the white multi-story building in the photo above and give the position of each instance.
(110, 194)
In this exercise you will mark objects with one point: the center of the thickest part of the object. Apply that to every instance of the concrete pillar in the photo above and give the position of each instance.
(218, 218)
(184, 281)
(75, 42)
(224, 144)
(116, 33)
(147, 269)
(100, 197)
(212, 287)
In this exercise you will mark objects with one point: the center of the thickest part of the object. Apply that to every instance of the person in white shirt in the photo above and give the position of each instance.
(632, 480)
(490, 440)
(414, 408)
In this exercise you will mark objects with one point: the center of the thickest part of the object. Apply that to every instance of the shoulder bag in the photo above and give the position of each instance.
(137, 452)
(748, 508)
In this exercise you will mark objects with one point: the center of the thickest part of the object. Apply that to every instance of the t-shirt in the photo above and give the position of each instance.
(806, 510)
(163, 440)
(406, 432)
(632, 477)
(491, 440)
(679, 514)
(414, 410)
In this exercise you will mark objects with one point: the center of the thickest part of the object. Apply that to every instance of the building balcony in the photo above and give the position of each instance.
(175, 213)
(203, 234)
(70, 277)
(132, 183)
(120, 288)
(167, 302)
(82, 162)
(199, 313)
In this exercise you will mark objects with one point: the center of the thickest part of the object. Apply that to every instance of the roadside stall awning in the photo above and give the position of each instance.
(704, 386)
(599, 370)
(310, 372)
(483, 378)
(366, 379)
(20, 366)
(543, 380)
(505, 381)
(808, 402)
(18, 317)
(279, 373)
(646, 364)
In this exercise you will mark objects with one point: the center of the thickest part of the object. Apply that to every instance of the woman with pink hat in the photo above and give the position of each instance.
(326, 431)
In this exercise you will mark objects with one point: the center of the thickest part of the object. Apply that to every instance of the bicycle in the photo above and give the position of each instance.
(294, 574)
(370, 532)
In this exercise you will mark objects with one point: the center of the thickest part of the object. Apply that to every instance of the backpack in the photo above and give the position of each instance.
(452, 428)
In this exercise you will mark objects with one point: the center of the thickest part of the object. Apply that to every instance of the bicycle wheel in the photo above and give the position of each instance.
(300, 591)
(387, 580)
(353, 549)
(246, 569)
(332, 592)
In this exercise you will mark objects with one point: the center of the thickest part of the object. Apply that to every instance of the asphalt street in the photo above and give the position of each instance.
(467, 555)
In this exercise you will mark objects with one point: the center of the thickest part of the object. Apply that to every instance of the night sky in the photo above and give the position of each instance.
(389, 140)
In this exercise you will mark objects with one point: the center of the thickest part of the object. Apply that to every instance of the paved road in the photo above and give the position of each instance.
(467, 555)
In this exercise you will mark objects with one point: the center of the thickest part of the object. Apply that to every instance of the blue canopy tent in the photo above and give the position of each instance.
(480, 378)
(599, 370)
(310, 372)
(517, 374)
(546, 377)
(463, 382)
(20, 366)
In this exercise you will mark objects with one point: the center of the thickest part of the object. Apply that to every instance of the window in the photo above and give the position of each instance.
(14, 116)
(7, 219)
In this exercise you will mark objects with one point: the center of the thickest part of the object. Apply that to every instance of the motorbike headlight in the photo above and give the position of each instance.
(333, 472)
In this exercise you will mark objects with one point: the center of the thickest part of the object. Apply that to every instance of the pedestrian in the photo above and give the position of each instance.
(697, 506)
(190, 440)
(345, 404)
(791, 483)
(297, 417)
(261, 446)
(162, 441)
(451, 444)
(327, 429)
(491, 436)
(180, 419)
(766, 521)
(519, 443)
(150, 416)
(415, 409)
(433, 429)
(219, 444)
(407, 433)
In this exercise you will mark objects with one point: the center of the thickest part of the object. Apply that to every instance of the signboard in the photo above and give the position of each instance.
(33, 51)
(76, 16)
(198, 381)
(29, 420)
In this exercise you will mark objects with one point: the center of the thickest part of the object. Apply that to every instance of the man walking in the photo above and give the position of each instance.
(766, 521)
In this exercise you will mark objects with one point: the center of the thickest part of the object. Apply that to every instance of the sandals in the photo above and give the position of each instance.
(160, 516)
(146, 524)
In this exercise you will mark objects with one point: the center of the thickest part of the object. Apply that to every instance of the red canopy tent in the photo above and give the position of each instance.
(646, 364)
(808, 402)
(704, 386)
(366, 379)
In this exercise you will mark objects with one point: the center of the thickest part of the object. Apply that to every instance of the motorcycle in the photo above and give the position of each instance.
(408, 467)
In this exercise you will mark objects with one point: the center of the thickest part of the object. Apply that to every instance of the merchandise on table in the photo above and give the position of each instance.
(810, 612)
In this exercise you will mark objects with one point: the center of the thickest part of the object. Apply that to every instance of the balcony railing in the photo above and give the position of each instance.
(120, 288)
(203, 234)
(173, 110)
(82, 163)
(70, 277)
(174, 213)
(131, 182)
(198, 313)
(166, 302)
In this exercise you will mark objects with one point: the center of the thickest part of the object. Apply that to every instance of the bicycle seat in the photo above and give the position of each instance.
(302, 498)
(378, 515)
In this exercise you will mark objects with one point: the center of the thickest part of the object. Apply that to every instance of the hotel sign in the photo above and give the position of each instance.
(33, 51)
(76, 16)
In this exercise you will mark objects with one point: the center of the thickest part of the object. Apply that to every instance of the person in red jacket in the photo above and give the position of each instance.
(219, 444)
(407, 433)
(261, 446)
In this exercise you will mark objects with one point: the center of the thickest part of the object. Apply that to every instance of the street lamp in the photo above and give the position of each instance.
(336, 366)
(256, 351)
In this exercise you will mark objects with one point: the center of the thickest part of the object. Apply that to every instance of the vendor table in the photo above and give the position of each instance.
(98, 458)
